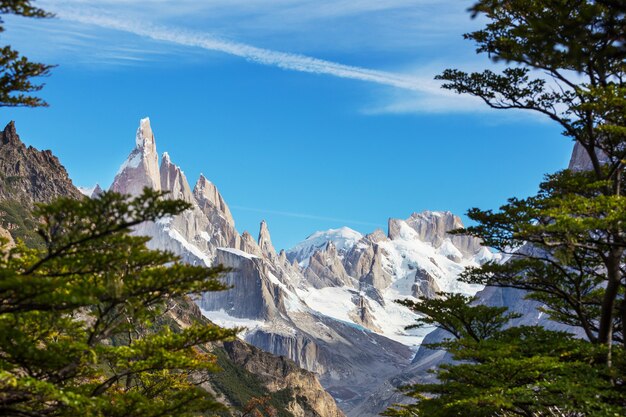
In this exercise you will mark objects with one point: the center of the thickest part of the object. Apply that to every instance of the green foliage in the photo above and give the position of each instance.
(578, 48)
(16, 71)
(454, 314)
(82, 329)
(565, 246)
(575, 229)
(521, 371)
(22, 223)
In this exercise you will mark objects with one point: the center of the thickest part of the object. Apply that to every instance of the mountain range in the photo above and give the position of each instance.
(29, 176)
(327, 305)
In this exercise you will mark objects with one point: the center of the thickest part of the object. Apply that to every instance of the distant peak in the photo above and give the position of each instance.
(91, 192)
(165, 159)
(141, 168)
(265, 240)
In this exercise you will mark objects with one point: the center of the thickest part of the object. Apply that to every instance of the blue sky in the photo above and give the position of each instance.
(309, 114)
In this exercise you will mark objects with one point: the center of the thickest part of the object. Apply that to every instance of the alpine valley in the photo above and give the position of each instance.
(327, 305)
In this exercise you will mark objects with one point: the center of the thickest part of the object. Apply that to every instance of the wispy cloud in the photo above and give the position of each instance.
(305, 216)
(284, 60)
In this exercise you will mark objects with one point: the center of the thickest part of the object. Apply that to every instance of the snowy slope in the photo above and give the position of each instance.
(343, 238)
(416, 259)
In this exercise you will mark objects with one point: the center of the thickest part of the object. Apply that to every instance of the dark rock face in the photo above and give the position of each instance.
(30, 176)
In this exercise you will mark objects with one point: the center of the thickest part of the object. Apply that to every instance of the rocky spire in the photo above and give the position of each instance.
(206, 193)
(249, 245)
(265, 241)
(141, 168)
(173, 180)
(9, 135)
(97, 191)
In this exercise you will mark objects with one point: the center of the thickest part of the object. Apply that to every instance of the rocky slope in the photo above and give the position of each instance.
(249, 373)
(28, 176)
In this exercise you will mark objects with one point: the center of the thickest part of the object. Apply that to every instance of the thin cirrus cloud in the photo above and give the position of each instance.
(305, 216)
(283, 60)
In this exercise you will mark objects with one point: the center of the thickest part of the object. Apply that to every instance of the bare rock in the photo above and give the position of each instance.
(141, 168)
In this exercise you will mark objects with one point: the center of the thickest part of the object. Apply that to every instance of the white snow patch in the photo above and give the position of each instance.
(448, 250)
(238, 253)
(335, 302)
(343, 238)
(88, 191)
(292, 299)
(204, 235)
(223, 319)
(174, 234)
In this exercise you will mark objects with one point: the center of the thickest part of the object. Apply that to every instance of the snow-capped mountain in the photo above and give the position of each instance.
(349, 358)
(328, 303)
(343, 239)
(360, 280)
(91, 192)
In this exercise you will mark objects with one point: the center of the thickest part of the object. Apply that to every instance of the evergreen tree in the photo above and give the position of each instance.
(16, 71)
(84, 322)
(579, 47)
(518, 371)
(566, 244)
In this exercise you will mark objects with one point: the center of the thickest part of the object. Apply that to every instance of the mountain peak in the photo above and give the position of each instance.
(429, 226)
(203, 182)
(141, 168)
(343, 239)
(206, 193)
(144, 137)
(91, 192)
(9, 135)
(265, 241)
(36, 176)
(173, 180)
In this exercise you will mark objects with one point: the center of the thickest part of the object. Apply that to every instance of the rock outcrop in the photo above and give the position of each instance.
(30, 176)
(248, 369)
(308, 398)
(580, 160)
